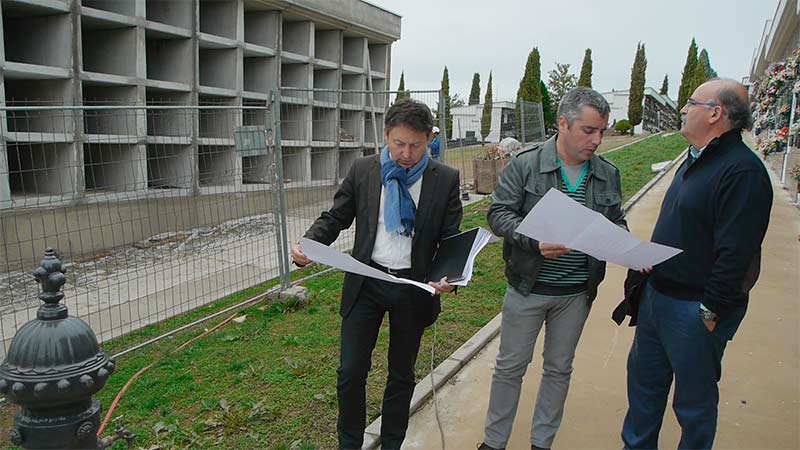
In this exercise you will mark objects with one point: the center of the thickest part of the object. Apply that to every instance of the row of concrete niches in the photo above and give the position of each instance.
(305, 121)
(48, 174)
(237, 46)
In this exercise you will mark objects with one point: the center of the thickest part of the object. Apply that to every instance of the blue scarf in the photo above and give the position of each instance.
(399, 212)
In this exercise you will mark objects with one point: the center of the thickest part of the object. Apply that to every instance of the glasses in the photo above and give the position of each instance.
(692, 102)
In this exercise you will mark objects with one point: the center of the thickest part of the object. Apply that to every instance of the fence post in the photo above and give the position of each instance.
(279, 188)
(522, 119)
(53, 367)
(442, 129)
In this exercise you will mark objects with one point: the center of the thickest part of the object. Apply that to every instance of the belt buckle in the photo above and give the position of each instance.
(392, 271)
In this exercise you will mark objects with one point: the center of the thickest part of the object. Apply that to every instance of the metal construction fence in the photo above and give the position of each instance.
(160, 208)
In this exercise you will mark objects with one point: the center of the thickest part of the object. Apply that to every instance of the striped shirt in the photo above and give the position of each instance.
(571, 269)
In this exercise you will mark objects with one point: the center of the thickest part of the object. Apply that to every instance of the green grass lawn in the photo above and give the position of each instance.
(634, 162)
(269, 382)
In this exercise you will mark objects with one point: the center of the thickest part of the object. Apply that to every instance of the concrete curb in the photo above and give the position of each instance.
(450, 367)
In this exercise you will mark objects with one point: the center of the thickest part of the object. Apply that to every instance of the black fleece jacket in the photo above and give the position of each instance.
(716, 210)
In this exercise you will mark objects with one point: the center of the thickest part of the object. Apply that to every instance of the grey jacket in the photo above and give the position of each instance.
(524, 181)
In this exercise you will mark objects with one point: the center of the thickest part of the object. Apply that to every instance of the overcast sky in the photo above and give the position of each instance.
(480, 35)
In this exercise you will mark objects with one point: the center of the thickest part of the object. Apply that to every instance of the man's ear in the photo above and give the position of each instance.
(716, 116)
(562, 123)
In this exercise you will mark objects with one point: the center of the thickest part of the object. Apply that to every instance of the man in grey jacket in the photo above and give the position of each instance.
(548, 285)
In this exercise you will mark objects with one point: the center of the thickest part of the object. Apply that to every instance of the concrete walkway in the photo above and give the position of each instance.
(759, 391)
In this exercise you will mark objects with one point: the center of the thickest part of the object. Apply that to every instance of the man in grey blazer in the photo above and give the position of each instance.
(404, 203)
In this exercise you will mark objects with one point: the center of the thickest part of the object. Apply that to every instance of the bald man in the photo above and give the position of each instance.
(716, 210)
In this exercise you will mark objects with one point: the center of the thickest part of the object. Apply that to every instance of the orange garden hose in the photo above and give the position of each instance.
(146, 368)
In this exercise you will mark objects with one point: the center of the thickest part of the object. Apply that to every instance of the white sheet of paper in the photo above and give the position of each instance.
(557, 219)
(323, 254)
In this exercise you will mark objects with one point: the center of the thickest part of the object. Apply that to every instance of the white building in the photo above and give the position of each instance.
(658, 111)
(467, 121)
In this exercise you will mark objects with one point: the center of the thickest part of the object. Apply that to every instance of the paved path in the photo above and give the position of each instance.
(760, 388)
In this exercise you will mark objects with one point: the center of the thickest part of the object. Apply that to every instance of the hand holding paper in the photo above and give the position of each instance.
(323, 254)
(454, 260)
(558, 219)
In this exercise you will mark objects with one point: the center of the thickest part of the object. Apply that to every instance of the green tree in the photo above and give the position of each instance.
(664, 86)
(475, 92)
(448, 118)
(585, 79)
(547, 108)
(486, 116)
(527, 90)
(456, 101)
(710, 72)
(401, 88)
(530, 79)
(636, 92)
(560, 81)
(686, 78)
(700, 71)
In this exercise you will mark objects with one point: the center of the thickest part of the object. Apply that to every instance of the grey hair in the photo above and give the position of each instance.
(573, 102)
(737, 109)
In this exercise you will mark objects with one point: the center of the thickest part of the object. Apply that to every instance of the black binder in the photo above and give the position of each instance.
(451, 257)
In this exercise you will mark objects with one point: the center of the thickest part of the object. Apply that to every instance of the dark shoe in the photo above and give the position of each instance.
(483, 446)
(533, 447)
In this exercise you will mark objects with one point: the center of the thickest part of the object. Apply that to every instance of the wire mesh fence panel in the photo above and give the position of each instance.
(531, 128)
(321, 133)
(155, 209)
(161, 208)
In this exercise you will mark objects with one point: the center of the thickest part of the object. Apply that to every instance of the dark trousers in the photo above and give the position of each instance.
(672, 341)
(359, 333)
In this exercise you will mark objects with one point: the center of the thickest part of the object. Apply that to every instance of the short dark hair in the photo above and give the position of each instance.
(572, 104)
(411, 113)
(736, 108)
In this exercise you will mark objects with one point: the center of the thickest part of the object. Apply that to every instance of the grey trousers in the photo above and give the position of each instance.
(523, 317)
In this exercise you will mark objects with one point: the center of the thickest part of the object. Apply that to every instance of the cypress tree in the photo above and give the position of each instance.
(710, 72)
(585, 79)
(475, 92)
(527, 90)
(547, 109)
(448, 118)
(401, 89)
(486, 116)
(636, 92)
(530, 79)
(700, 75)
(684, 91)
(664, 86)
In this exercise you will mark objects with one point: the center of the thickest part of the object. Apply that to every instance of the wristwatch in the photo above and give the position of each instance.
(707, 314)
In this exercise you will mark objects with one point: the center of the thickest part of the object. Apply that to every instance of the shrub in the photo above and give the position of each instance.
(623, 126)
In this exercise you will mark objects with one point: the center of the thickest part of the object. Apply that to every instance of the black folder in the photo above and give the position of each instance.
(451, 257)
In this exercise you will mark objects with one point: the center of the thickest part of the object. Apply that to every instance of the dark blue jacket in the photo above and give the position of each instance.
(716, 210)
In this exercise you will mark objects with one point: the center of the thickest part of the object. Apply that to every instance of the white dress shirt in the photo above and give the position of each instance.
(393, 250)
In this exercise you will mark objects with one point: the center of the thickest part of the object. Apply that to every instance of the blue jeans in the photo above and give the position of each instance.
(672, 341)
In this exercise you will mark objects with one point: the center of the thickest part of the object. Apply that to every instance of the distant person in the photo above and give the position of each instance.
(403, 204)
(507, 146)
(435, 145)
(716, 210)
(549, 285)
